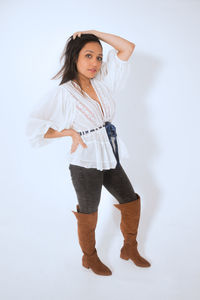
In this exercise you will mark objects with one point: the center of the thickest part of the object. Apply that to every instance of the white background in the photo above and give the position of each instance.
(158, 118)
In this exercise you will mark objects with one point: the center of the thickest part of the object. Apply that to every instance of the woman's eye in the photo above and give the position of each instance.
(98, 57)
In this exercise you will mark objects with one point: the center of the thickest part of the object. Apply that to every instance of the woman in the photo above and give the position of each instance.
(83, 106)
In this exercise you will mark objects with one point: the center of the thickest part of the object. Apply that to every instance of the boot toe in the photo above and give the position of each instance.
(140, 261)
(106, 270)
(145, 262)
(93, 262)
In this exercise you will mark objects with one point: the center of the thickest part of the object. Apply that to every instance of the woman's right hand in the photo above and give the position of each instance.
(76, 140)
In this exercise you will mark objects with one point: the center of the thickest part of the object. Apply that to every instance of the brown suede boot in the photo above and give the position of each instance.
(86, 234)
(130, 215)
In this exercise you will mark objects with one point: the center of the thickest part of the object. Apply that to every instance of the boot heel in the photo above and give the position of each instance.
(124, 256)
(85, 265)
(123, 253)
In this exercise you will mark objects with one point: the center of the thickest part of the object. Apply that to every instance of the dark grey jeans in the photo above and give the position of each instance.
(88, 184)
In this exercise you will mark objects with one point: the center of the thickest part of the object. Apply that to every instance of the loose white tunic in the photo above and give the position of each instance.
(65, 107)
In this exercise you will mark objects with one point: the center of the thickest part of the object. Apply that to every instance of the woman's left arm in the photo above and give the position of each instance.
(115, 41)
(124, 47)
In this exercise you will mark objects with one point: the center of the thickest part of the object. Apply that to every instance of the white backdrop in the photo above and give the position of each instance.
(157, 117)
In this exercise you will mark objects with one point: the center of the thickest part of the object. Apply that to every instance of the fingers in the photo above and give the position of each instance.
(78, 33)
(83, 144)
(73, 148)
(76, 143)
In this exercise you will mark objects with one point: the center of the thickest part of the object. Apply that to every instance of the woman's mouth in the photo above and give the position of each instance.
(92, 70)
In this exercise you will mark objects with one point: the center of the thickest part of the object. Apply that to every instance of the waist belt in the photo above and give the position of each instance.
(86, 131)
(111, 132)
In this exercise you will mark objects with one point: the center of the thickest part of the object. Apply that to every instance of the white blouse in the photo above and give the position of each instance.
(65, 107)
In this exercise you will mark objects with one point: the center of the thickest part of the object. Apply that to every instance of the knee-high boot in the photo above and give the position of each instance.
(86, 224)
(130, 215)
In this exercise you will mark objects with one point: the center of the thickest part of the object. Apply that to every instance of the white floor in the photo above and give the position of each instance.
(41, 257)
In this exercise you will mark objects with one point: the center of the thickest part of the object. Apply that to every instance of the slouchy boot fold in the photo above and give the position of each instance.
(86, 224)
(130, 215)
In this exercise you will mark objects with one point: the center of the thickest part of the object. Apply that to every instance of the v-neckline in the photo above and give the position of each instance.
(98, 102)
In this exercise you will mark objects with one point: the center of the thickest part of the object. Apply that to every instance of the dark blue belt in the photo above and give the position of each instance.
(111, 132)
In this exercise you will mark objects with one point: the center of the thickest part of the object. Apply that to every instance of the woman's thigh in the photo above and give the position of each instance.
(118, 184)
(87, 183)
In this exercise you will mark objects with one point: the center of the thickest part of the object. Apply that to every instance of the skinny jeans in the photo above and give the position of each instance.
(88, 184)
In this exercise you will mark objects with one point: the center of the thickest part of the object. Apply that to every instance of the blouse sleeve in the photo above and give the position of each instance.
(114, 72)
(56, 109)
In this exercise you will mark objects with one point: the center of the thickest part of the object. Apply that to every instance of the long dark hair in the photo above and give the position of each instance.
(70, 53)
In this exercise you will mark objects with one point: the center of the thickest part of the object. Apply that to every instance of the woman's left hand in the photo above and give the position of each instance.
(78, 33)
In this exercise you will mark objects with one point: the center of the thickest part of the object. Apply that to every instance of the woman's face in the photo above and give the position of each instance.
(90, 60)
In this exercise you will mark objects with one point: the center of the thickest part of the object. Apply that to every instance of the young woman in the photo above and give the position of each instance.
(83, 107)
